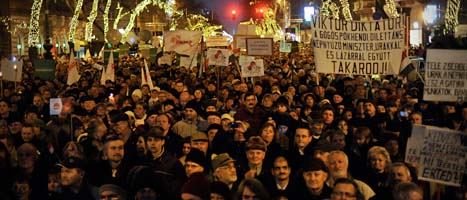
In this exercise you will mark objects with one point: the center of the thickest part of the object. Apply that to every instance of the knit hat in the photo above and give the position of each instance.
(120, 192)
(257, 143)
(221, 160)
(220, 188)
(137, 93)
(314, 164)
(197, 185)
(193, 105)
(198, 157)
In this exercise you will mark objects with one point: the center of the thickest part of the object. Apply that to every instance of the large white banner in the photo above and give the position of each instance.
(11, 70)
(182, 41)
(358, 47)
(218, 57)
(445, 75)
(440, 154)
(251, 67)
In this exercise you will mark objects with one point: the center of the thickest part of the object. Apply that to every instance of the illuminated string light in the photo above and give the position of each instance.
(91, 18)
(33, 36)
(120, 15)
(330, 9)
(74, 21)
(106, 19)
(346, 10)
(167, 7)
(450, 19)
(201, 23)
(390, 9)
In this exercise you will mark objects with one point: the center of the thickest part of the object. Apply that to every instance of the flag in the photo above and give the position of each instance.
(145, 76)
(182, 41)
(73, 75)
(110, 70)
(88, 56)
(218, 57)
(406, 66)
(103, 76)
(101, 54)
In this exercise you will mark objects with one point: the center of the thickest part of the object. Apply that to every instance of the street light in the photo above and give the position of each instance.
(234, 14)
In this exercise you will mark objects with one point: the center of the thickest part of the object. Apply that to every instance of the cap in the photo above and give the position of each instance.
(72, 162)
(257, 143)
(199, 136)
(235, 81)
(227, 116)
(221, 160)
(314, 164)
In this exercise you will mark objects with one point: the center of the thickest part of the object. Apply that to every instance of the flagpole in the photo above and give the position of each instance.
(16, 75)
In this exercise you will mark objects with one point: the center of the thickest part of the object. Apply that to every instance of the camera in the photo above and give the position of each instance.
(234, 125)
(403, 114)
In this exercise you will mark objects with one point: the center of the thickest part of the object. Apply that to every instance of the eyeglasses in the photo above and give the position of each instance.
(345, 194)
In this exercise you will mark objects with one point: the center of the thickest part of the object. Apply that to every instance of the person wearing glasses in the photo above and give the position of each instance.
(346, 189)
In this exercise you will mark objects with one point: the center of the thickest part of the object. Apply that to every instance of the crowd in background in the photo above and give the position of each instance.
(290, 134)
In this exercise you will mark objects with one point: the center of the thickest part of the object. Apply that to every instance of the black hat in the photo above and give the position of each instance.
(197, 156)
(214, 126)
(314, 164)
(220, 188)
(197, 185)
(72, 162)
(156, 132)
(257, 143)
(193, 105)
(85, 98)
(324, 146)
(117, 116)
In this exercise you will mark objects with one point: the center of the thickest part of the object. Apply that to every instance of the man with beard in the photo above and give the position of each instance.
(224, 170)
(72, 179)
(338, 168)
(110, 169)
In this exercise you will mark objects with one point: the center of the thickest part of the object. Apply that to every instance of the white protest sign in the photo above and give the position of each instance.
(189, 62)
(358, 47)
(220, 41)
(12, 70)
(56, 106)
(445, 75)
(440, 154)
(165, 59)
(251, 67)
(259, 46)
(285, 47)
(218, 57)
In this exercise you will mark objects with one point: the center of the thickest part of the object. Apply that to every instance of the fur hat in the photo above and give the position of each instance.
(257, 143)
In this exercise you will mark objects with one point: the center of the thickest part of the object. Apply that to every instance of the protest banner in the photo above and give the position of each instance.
(220, 41)
(259, 46)
(439, 153)
(285, 47)
(445, 75)
(239, 41)
(218, 57)
(11, 70)
(165, 59)
(44, 69)
(246, 29)
(358, 47)
(251, 67)
(188, 62)
(182, 41)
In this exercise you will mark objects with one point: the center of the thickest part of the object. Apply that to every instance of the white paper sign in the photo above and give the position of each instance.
(189, 62)
(445, 75)
(56, 106)
(218, 57)
(259, 46)
(251, 67)
(440, 154)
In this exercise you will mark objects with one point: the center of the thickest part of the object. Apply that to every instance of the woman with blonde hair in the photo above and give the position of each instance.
(378, 160)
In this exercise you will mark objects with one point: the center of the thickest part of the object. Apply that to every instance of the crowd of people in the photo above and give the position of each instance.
(290, 134)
